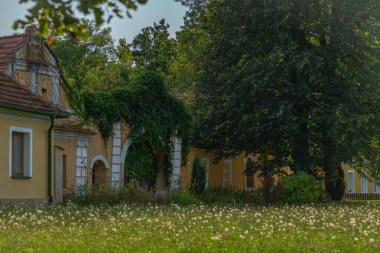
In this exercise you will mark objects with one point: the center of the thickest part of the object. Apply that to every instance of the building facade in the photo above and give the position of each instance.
(229, 172)
(82, 158)
(26, 129)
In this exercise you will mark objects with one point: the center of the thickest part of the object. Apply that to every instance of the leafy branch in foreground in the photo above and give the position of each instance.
(58, 17)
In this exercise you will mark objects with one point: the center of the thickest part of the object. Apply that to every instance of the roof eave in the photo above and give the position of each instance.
(56, 114)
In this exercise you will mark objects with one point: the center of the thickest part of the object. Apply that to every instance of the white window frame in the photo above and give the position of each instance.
(28, 150)
(229, 163)
(353, 181)
(376, 186)
(206, 161)
(363, 184)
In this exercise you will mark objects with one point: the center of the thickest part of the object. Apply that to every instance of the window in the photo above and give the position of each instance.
(364, 184)
(20, 152)
(64, 172)
(205, 163)
(377, 187)
(23, 77)
(45, 83)
(351, 181)
(17, 154)
(227, 173)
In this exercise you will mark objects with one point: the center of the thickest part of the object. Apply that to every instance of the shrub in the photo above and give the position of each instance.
(184, 198)
(301, 188)
(198, 177)
(130, 193)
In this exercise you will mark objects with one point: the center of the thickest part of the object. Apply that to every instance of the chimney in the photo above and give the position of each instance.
(31, 30)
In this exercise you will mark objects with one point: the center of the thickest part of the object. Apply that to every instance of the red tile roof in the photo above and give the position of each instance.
(9, 45)
(14, 95)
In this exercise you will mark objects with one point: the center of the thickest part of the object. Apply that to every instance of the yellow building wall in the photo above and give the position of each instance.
(36, 186)
(215, 177)
(357, 180)
(97, 146)
(68, 148)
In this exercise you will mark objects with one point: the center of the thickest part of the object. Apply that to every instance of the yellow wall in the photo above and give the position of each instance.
(238, 177)
(96, 146)
(68, 148)
(35, 187)
(215, 179)
(357, 177)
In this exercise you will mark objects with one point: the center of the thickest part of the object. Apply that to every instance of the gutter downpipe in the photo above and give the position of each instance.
(50, 159)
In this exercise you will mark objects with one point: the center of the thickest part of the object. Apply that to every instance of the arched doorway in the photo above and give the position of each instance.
(140, 165)
(99, 173)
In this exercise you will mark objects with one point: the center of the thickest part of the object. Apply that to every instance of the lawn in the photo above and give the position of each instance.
(170, 228)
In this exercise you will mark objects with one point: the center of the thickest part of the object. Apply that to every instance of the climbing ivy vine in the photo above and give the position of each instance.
(152, 113)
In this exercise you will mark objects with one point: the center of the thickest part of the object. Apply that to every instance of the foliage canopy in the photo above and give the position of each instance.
(297, 79)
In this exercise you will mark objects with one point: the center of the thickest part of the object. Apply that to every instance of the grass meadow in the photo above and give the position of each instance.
(172, 228)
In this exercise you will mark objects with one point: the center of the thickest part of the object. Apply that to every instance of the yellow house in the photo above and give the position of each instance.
(229, 172)
(82, 158)
(357, 183)
(26, 129)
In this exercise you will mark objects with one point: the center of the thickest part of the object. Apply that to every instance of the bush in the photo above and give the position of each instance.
(184, 198)
(130, 193)
(301, 188)
(198, 177)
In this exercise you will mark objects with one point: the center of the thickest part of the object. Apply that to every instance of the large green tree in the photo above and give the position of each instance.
(95, 63)
(191, 42)
(153, 48)
(297, 79)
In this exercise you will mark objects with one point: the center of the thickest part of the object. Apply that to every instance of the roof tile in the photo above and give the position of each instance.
(9, 45)
(15, 95)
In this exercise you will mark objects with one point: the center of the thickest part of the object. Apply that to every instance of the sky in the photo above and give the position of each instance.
(153, 11)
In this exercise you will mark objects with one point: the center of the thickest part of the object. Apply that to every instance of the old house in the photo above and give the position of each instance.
(26, 144)
(81, 157)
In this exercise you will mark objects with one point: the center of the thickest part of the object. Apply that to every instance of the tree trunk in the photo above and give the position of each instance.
(334, 175)
(301, 149)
